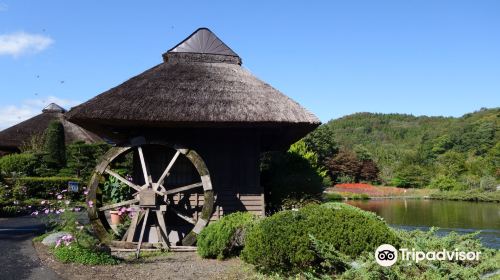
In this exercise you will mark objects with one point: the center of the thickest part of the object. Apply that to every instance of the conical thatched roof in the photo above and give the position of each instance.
(200, 84)
(13, 137)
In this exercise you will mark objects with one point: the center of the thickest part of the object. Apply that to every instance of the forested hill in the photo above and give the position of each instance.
(412, 151)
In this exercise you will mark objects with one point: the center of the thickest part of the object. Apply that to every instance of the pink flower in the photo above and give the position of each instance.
(86, 192)
(58, 212)
(66, 239)
(34, 213)
(59, 196)
(64, 191)
(46, 211)
(90, 203)
(77, 209)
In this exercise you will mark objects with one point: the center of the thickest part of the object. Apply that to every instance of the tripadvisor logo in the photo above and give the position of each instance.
(387, 255)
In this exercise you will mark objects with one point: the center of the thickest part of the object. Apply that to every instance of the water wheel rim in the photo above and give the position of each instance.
(96, 217)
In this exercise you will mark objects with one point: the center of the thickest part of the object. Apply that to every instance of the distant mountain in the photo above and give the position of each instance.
(464, 149)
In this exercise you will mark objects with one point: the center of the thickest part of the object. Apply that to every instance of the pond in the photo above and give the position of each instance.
(458, 216)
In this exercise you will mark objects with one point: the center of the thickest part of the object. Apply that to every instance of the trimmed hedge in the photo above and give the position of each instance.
(42, 187)
(24, 164)
(224, 238)
(282, 243)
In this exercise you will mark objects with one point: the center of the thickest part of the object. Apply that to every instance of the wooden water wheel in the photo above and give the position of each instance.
(167, 209)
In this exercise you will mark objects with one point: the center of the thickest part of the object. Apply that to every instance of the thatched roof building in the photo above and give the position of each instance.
(15, 136)
(200, 84)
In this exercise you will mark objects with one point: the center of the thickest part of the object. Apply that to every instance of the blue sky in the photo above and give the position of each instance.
(333, 57)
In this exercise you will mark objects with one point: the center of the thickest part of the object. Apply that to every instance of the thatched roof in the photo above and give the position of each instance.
(13, 137)
(201, 83)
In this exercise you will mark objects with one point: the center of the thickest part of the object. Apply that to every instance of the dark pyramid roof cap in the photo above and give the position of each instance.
(53, 108)
(203, 41)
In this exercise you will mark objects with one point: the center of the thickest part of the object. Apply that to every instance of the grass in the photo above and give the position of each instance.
(474, 195)
(40, 237)
(332, 197)
(81, 255)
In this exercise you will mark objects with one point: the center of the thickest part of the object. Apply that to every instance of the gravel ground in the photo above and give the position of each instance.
(172, 266)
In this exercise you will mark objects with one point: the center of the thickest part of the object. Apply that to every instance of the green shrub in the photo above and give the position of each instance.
(281, 243)
(445, 183)
(83, 157)
(55, 147)
(332, 197)
(488, 183)
(41, 187)
(222, 239)
(12, 210)
(77, 254)
(472, 195)
(288, 176)
(23, 164)
(361, 196)
(428, 241)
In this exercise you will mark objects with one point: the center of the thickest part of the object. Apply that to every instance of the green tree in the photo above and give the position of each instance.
(55, 147)
(83, 157)
(301, 149)
(451, 164)
(288, 177)
(410, 176)
(322, 142)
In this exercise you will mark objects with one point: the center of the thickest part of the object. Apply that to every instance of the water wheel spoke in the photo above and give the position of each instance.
(147, 178)
(169, 166)
(118, 204)
(185, 188)
(162, 227)
(141, 236)
(121, 179)
(184, 217)
(136, 219)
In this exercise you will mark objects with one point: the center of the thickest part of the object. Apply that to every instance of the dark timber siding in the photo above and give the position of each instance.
(232, 159)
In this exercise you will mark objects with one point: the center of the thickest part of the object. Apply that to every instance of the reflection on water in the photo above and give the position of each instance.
(459, 216)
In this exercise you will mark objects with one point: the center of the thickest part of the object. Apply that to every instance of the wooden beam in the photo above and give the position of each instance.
(133, 225)
(169, 166)
(123, 180)
(185, 188)
(118, 204)
(163, 228)
(141, 236)
(143, 165)
(184, 217)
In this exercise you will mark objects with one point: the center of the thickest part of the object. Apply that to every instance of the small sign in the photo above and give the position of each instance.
(73, 186)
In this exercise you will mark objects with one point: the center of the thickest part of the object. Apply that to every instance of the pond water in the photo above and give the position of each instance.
(458, 216)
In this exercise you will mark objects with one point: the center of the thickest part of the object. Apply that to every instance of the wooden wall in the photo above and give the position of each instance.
(232, 158)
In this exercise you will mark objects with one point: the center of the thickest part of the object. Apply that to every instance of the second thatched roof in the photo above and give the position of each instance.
(12, 138)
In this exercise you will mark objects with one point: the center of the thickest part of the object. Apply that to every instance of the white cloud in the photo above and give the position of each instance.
(10, 115)
(16, 44)
(41, 103)
(3, 7)
(13, 114)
